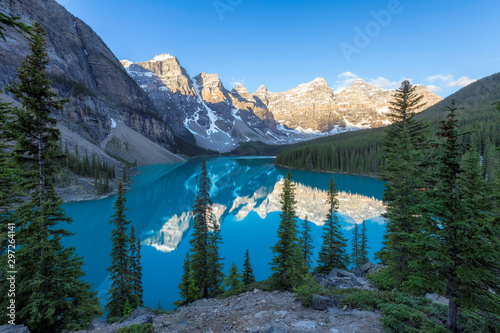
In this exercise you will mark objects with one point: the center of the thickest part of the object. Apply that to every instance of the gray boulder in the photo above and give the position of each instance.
(140, 316)
(340, 273)
(97, 323)
(340, 278)
(326, 302)
(367, 268)
(14, 329)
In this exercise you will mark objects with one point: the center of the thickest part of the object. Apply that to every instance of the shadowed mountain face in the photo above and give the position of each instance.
(222, 118)
(83, 69)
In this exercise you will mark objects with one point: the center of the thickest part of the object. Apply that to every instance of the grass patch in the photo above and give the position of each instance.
(144, 328)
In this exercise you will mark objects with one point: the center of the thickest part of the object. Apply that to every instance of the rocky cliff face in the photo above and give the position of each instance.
(309, 106)
(84, 70)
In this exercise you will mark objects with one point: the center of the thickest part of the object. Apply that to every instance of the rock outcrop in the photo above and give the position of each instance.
(259, 311)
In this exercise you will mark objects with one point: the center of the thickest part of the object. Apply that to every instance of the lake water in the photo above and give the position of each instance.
(245, 192)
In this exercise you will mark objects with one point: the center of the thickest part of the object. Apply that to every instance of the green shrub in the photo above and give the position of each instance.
(144, 328)
(160, 311)
(407, 314)
(368, 300)
(112, 320)
(305, 292)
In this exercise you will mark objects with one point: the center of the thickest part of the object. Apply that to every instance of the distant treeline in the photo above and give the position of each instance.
(361, 152)
(84, 166)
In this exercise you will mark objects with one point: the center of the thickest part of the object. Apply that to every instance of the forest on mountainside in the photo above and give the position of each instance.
(360, 152)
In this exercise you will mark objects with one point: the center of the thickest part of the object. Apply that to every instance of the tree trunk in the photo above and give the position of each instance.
(452, 323)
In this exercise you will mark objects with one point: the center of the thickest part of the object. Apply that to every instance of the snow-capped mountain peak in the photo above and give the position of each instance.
(162, 57)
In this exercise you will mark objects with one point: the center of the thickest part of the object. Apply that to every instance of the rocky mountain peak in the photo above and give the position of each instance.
(162, 57)
(240, 89)
(261, 90)
(211, 88)
(320, 80)
(126, 63)
(358, 81)
(209, 80)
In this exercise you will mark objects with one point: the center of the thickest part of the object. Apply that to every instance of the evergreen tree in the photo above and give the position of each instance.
(288, 266)
(50, 293)
(206, 264)
(333, 253)
(355, 246)
(189, 291)
(135, 271)
(248, 276)
(215, 262)
(233, 280)
(363, 246)
(121, 288)
(306, 243)
(404, 174)
(463, 263)
(8, 169)
(124, 175)
(9, 21)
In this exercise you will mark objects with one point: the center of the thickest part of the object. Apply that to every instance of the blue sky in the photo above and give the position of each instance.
(444, 44)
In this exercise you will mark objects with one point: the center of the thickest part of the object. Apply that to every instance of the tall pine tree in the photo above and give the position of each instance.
(355, 244)
(306, 243)
(404, 172)
(233, 280)
(135, 271)
(189, 291)
(215, 261)
(50, 293)
(205, 262)
(333, 253)
(463, 263)
(363, 245)
(288, 265)
(121, 287)
(248, 276)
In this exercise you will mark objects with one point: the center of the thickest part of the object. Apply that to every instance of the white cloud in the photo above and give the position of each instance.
(348, 78)
(461, 82)
(440, 77)
(384, 83)
(347, 74)
(345, 80)
(447, 81)
(433, 88)
(235, 82)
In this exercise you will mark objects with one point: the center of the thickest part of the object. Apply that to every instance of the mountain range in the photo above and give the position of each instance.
(137, 112)
(220, 119)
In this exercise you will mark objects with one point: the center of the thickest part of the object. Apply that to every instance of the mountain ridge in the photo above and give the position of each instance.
(223, 118)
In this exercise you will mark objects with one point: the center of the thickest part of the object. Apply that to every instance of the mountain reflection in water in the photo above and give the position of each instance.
(246, 194)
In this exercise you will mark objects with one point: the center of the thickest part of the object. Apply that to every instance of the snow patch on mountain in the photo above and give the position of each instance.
(162, 57)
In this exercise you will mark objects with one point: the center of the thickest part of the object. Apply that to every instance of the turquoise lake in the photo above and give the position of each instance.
(245, 192)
